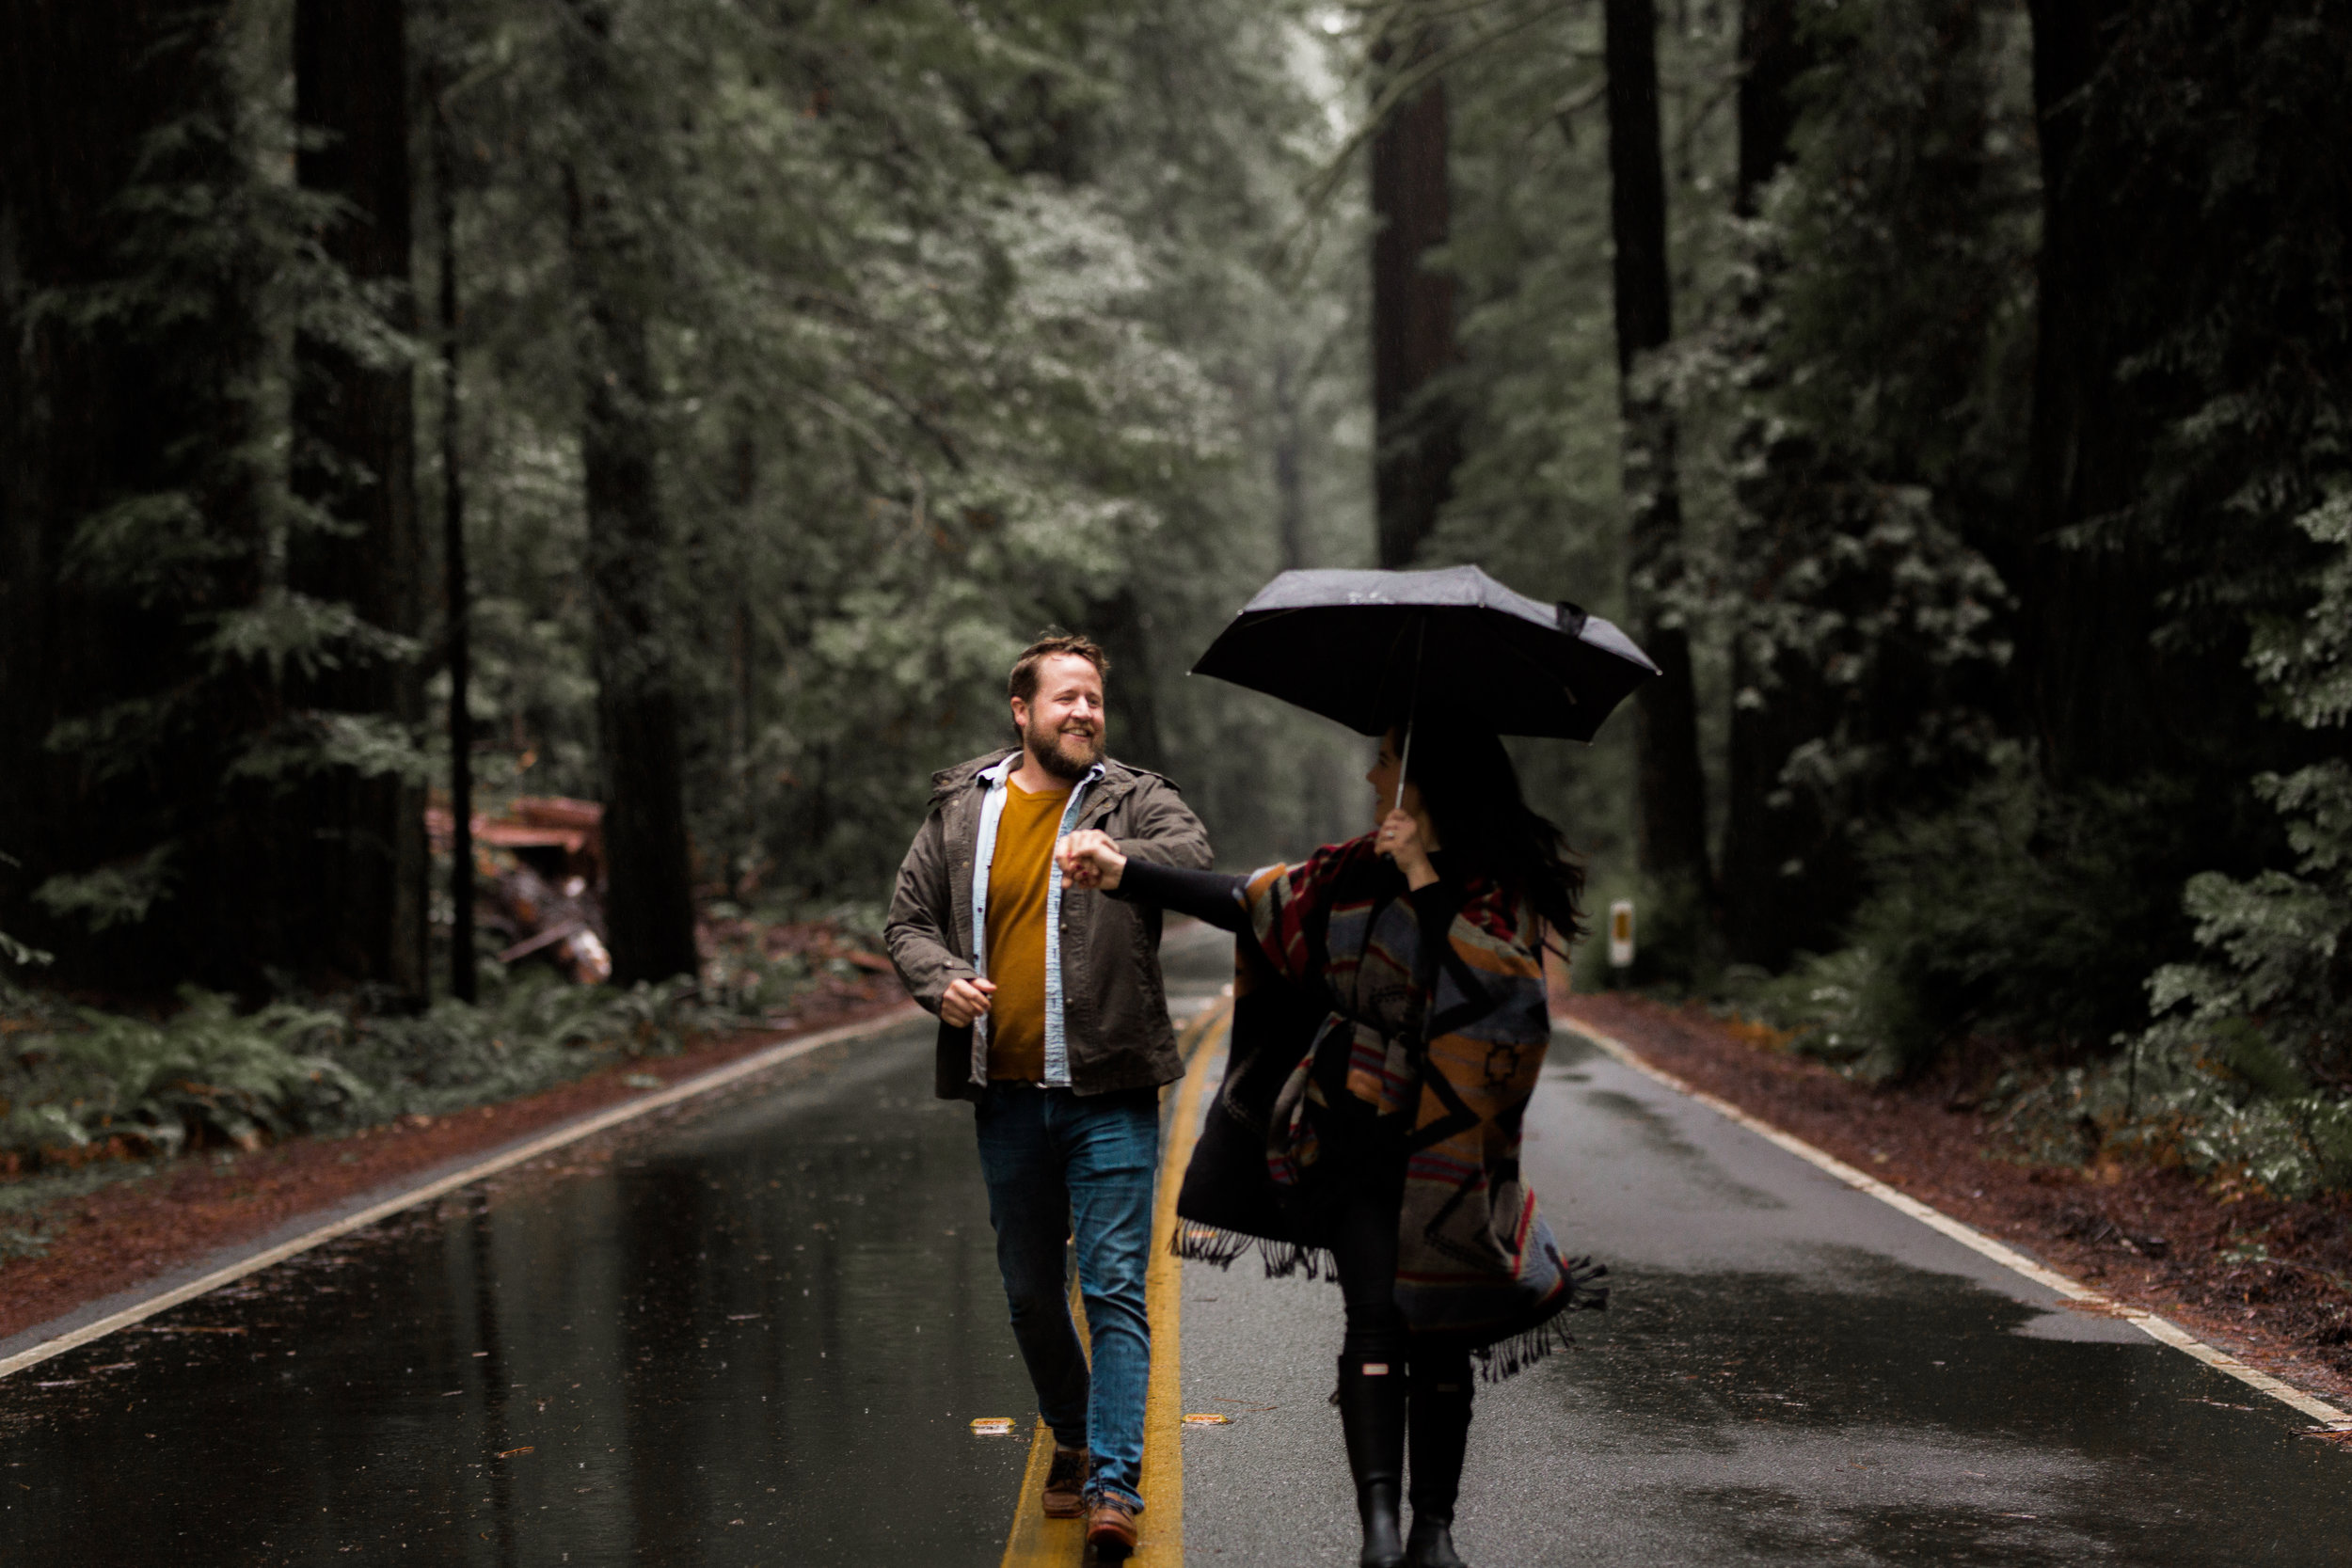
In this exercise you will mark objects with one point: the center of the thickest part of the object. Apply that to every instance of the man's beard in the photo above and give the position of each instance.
(1052, 749)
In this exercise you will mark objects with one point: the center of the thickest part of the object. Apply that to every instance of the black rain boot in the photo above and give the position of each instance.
(1440, 1428)
(1371, 1414)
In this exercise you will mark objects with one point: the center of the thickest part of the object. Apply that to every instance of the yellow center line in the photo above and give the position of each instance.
(1037, 1541)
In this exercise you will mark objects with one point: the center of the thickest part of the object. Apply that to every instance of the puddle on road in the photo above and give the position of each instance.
(1762, 1418)
(757, 1336)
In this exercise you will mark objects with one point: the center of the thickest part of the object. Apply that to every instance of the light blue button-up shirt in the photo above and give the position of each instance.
(983, 863)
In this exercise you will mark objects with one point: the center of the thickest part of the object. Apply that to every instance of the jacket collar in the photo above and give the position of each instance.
(1114, 779)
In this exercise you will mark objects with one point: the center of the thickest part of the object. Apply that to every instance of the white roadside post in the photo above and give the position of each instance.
(1621, 934)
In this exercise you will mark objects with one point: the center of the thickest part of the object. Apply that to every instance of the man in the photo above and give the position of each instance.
(1052, 1020)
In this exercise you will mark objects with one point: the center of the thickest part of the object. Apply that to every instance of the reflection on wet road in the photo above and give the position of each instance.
(1790, 1373)
(756, 1336)
(1795, 1373)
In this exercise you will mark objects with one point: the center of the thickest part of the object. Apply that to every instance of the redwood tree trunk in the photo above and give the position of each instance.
(2088, 614)
(1418, 434)
(1772, 57)
(355, 865)
(1780, 699)
(456, 585)
(1672, 815)
(649, 908)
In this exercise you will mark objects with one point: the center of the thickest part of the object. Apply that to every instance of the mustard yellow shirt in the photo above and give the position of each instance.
(1017, 888)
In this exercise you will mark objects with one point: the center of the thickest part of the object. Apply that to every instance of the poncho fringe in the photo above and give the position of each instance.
(1221, 1249)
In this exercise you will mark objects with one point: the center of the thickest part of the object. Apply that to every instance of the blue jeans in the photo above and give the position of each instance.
(1051, 1157)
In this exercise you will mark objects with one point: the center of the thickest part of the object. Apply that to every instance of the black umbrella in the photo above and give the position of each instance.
(1372, 648)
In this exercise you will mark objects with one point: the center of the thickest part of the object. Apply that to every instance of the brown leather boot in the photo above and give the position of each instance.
(1111, 1526)
(1066, 1482)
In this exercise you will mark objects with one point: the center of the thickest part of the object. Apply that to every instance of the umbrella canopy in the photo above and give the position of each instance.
(1372, 648)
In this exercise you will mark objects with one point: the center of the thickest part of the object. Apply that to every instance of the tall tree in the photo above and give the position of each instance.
(1673, 809)
(456, 585)
(1779, 699)
(2086, 621)
(649, 894)
(131, 532)
(1772, 57)
(354, 865)
(1418, 429)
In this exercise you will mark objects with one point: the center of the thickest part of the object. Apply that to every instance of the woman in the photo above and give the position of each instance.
(1391, 1022)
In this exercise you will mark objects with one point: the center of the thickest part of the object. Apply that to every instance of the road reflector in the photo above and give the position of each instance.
(1621, 934)
(1209, 1421)
(991, 1426)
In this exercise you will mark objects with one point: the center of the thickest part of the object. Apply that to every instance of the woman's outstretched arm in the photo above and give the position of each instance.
(1209, 896)
(1091, 859)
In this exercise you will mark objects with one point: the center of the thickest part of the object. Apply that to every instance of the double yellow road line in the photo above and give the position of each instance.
(1037, 1541)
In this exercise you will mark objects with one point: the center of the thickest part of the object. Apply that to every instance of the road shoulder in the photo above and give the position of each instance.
(2272, 1315)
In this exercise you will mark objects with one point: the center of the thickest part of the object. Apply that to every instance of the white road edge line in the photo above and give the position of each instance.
(2157, 1328)
(702, 1083)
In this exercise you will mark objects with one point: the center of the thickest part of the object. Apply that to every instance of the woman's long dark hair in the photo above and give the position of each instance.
(1486, 826)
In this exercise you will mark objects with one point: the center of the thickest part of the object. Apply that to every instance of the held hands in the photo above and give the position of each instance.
(1399, 840)
(965, 1000)
(1091, 858)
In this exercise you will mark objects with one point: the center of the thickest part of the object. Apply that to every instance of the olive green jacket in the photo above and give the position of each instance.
(1115, 1029)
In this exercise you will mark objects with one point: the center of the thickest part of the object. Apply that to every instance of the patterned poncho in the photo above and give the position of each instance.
(1335, 996)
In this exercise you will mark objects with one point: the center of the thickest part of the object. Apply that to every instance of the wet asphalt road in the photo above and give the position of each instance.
(1792, 1373)
(755, 1335)
(756, 1332)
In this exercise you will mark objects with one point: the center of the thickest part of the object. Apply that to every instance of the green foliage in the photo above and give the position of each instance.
(961, 320)
(208, 1074)
(1843, 1007)
(532, 1031)
(112, 895)
(1862, 383)
(22, 954)
(2272, 1002)
(2221, 124)
(1895, 251)
(2235, 1111)
(2016, 913)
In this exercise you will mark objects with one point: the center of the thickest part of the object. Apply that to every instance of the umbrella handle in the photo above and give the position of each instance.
(1412, 711)
(1404, 760)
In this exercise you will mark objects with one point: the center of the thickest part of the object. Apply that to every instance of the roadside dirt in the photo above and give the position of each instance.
(119, 1235)
(2269, 1281)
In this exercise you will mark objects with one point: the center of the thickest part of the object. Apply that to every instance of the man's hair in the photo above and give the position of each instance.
(1052, 644)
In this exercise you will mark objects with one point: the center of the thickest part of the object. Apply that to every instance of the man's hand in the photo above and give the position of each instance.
(965, 1000)
(1091, 858)
(1399, 840)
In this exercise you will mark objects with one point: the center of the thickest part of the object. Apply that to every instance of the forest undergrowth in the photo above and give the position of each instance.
(90, 1095)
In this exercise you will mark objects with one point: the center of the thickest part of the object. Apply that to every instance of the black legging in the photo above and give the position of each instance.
(1363, 1243)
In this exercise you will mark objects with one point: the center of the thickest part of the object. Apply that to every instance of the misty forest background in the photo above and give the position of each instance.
(1951, 395)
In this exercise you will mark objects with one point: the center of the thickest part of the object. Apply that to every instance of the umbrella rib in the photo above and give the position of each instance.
(1569, 690)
